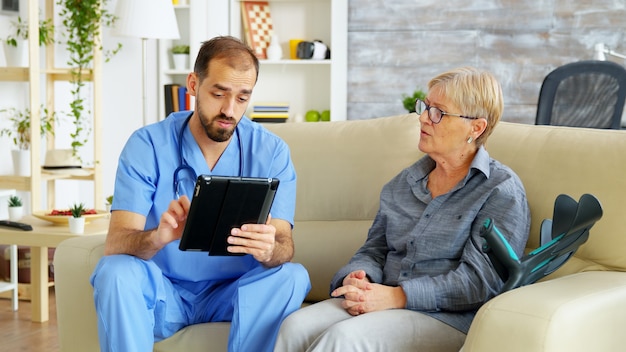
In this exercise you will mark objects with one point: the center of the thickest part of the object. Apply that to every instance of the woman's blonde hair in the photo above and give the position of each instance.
(477, 93)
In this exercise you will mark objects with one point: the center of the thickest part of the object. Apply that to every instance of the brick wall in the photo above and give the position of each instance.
(396, 46)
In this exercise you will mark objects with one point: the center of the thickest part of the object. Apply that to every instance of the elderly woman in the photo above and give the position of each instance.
(418, 280)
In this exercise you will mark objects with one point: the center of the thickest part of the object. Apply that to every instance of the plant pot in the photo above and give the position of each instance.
(16, 213)
(180, 61)
(77, 225)
(16, 56)
(21, 162)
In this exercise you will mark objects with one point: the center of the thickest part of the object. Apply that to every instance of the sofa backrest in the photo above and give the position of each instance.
(342, 166)
(553, 160)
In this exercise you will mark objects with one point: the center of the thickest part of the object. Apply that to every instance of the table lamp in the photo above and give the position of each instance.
(145, 19)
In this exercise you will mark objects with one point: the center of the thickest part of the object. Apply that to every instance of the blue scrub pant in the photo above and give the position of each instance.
(137, 305)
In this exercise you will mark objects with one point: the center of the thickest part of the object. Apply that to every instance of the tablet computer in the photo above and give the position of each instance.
(221, 203)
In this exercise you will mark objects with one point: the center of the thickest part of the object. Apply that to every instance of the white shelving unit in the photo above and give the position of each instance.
(38, 77)
(304, 84)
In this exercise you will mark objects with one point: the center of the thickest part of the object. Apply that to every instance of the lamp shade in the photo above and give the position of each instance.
(146, 19)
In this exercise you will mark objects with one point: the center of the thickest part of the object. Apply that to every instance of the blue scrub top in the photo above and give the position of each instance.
(145, 176)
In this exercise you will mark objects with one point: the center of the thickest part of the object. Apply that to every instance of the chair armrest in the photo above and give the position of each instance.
(74, 261)
(579, 312)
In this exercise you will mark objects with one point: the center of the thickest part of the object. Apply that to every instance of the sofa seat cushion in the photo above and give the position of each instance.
(196, 338)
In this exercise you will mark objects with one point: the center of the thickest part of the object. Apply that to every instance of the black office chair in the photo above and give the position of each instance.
(586, 93)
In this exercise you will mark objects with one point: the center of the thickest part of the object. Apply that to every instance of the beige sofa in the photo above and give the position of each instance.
(341, 168)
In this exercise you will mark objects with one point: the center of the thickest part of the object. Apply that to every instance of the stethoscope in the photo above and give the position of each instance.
(183, 164)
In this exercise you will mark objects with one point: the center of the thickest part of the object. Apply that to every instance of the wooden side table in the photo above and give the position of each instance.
(44, 235)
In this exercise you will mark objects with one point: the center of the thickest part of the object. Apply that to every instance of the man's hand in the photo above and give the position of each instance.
(362, 296)
(173, 221)
(258, 240)
(127, 236)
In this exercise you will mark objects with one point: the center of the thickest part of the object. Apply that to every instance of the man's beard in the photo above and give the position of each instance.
(214, 132)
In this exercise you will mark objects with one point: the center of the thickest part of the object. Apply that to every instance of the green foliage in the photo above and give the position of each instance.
(15, 201)
(408, 101)
(20, 133)
(83, 21)
(180, 49)
(77, 210)
(46, 32)
(109, 200)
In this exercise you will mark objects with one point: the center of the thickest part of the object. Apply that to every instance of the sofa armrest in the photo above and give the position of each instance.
(579, 312)
(74, 261)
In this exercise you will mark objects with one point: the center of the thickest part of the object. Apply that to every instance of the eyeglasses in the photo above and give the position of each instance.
(434, 114)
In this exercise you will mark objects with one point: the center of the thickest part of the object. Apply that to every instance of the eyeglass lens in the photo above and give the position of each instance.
(434, 114)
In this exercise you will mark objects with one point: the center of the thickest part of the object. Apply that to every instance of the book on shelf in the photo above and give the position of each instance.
(168, 92)
(176, 98)
(175, 103)
(182, 99)
(270, 112)
(270, 108)
(257, 26)
(270, 119)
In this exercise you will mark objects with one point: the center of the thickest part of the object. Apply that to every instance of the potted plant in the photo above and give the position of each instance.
(109, 202)
(77, 221)
(83, 21)
(15, 45)
(16, 208)
(20, 135)
(180, 55)
(408, 101)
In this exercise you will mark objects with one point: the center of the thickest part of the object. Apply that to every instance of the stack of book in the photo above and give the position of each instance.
(176, 98)
(270, 112)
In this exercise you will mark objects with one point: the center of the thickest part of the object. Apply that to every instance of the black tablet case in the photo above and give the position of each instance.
(221, 203)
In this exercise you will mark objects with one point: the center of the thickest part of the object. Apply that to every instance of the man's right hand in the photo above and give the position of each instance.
(127, 235)
(173, 221)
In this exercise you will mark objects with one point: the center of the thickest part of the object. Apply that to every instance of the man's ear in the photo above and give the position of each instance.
(192, 83)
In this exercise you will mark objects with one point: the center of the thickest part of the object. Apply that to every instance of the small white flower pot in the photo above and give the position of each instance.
(16, 56)
(180, 61)
(21, 162)
(16, 213)
(77, 225)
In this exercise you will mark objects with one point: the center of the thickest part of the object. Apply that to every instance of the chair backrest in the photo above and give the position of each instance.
(586, 93)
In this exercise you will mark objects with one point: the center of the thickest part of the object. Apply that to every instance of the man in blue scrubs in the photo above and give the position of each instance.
(145, 288)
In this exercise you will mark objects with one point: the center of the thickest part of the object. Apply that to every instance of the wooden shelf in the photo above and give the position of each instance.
(23, 183)
(42, 79)
(14, 74)
(305, 84)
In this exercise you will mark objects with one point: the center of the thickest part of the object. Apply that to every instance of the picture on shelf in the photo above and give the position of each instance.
(257, 25)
